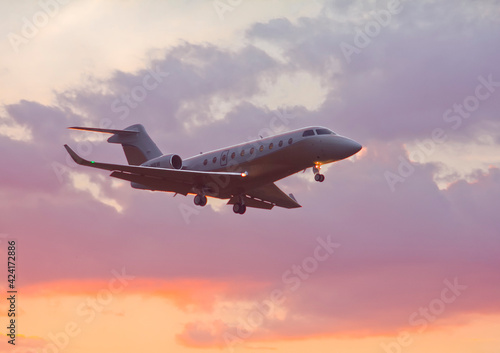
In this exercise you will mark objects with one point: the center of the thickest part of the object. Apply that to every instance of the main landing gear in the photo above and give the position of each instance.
(200, 200)
(317, 176)
(239, 208)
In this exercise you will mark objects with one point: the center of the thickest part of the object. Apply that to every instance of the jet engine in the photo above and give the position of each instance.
(170, 161)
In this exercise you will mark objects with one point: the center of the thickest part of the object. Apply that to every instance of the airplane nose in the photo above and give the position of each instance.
(343, 147)
(353, 147)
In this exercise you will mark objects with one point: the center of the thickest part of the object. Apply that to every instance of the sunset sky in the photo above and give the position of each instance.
(397, 251)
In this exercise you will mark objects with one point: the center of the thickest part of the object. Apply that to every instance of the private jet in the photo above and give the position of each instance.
(243, 173)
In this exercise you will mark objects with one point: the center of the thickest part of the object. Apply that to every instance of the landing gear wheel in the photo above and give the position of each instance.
(319, 177)
(200, 200)
(239, 208)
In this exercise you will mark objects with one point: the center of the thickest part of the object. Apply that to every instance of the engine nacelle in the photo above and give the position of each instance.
(170, 161)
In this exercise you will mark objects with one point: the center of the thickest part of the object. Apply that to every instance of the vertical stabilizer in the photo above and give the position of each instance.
(139, 147)
(136, 143)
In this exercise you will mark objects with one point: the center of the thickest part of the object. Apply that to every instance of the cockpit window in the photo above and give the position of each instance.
(325, 132)
(308, 133)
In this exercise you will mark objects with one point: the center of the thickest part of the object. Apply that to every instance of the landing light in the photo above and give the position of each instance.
(244, 174)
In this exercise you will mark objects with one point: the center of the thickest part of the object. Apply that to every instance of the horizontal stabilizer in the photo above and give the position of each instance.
(107, 131)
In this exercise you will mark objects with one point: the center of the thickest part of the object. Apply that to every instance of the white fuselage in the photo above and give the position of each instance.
(273, 158)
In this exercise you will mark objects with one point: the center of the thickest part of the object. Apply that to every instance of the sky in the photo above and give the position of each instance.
(397, 251)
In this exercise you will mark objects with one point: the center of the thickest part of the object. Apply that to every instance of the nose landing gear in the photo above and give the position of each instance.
(317, 175)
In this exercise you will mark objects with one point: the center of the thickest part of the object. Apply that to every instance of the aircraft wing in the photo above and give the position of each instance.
(175, 180)
(267, 197)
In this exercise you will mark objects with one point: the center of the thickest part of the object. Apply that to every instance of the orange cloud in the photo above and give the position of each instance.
(186, 294)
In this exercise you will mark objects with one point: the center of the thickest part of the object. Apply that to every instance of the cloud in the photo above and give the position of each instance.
(397, 247)
(202, 335)
(395, 256)
(400, 84)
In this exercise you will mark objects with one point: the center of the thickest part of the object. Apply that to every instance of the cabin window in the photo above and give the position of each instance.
(308, 133)
(233, 155)
(280, 143)
(271, 146)
(324, 132)
(242, 153)
(223, 157)
(214, 160)
(205, 162)
(252, 150)
(290, 140)
(261, 148)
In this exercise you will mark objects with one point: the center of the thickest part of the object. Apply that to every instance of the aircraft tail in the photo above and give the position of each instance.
(136, 143)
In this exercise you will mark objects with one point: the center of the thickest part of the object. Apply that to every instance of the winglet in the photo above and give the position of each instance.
(76, 158)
